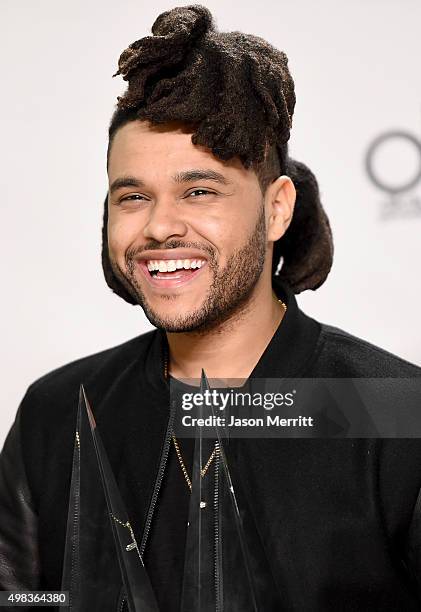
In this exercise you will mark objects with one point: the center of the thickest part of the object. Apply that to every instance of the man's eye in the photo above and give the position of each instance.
(132, 197)
(200, 192)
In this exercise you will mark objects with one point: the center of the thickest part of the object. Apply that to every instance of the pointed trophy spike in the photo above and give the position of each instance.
(138, 588)
(217, 571)
(71, 558)
(94, 492)
(204, 383)
(198, 580)
(226, 474)
(85, 402)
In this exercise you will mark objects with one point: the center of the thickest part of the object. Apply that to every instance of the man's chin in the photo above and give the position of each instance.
(176, 325)
(199, 322)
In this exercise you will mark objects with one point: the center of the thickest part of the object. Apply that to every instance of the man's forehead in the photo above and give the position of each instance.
(137, 137)
(142, 126)
(171, 142)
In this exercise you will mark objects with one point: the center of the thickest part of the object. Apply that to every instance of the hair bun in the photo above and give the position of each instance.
(175, 32)
(307, 246)
(194, 20)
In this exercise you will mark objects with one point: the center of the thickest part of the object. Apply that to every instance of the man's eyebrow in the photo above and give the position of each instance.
(125, 181)
(187, 176)
(199, 174)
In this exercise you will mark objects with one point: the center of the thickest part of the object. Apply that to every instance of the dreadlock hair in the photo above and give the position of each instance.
(237, 93)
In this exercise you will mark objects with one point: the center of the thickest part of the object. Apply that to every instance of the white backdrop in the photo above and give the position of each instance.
(357, 74)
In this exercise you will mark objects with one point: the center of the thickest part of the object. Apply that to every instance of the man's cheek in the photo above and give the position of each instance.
(120, 239)
(114, 247)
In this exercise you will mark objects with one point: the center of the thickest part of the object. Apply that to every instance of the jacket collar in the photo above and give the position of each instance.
(293, 344)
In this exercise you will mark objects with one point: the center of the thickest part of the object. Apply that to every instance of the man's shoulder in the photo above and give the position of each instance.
(104, 365)
(343, 354)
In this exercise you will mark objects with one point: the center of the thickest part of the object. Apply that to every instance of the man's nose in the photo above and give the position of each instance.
(164, 221)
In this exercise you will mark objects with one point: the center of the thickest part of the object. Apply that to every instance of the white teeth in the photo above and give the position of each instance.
(171, 265)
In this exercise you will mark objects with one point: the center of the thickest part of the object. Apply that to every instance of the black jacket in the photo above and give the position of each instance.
(338, 519)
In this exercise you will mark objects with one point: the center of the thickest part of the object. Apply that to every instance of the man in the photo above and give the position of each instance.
(204, 207)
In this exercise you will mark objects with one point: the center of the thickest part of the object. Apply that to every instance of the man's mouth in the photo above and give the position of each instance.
(171, 272)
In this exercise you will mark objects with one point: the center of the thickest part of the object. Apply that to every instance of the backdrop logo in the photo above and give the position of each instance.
(393, 164)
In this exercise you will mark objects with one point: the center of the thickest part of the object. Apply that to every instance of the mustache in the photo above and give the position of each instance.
(133, 252)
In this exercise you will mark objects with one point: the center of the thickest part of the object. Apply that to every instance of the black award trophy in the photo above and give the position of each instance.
(102, 564)
(225, 567)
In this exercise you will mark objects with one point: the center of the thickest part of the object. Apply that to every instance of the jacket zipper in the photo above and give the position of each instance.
(158, 482)
(121, 606)
(219, 603)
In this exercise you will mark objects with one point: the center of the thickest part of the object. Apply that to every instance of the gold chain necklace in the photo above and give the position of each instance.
(183, 466)
(204, 469)
(215, 451)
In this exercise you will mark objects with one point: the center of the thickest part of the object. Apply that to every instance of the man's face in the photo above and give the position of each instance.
(186, 231)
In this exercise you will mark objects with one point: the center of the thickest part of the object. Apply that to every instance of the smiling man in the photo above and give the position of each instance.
(212, 229)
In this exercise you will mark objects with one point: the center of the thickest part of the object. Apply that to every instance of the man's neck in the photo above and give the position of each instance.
(230, 350)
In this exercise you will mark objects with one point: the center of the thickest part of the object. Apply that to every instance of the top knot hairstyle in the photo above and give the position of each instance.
(237, 92)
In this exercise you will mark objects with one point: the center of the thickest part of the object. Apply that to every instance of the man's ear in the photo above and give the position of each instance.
(280, 200)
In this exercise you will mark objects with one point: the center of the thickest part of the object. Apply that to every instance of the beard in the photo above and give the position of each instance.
(230, 289)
